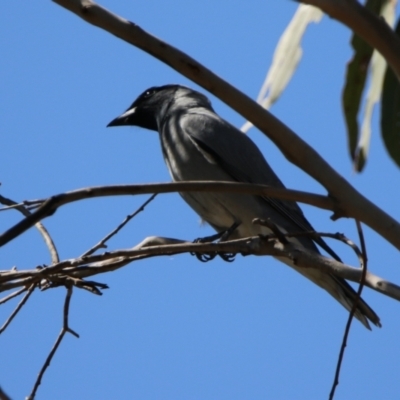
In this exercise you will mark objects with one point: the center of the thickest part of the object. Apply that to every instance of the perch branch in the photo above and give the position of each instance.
(101, 263)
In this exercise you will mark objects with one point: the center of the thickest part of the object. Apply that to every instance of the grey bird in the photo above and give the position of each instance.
(197, 144)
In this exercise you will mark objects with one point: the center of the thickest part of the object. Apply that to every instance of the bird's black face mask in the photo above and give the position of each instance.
(144, 110)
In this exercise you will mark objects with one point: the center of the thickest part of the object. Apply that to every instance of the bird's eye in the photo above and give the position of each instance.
(148, 93)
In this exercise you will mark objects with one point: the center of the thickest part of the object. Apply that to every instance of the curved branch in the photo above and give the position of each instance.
(49, 206)
(293, 147)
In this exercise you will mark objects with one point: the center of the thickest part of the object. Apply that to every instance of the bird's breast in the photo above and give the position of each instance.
(186, 161)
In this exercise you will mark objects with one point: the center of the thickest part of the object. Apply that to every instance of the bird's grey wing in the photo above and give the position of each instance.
(242, 160)
(226, 145)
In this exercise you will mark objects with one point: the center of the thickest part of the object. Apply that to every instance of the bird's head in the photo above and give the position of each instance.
(155, 103)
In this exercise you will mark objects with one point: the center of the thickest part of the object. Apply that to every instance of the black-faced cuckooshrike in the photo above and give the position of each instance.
(197, 144)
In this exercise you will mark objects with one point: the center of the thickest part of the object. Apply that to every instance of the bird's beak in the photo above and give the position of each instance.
(123, 119)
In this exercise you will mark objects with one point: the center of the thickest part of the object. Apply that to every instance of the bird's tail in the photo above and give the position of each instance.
(341, 291)
(346, 296)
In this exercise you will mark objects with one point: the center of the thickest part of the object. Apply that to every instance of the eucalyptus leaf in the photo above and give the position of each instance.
(390, 112)
(356, 76)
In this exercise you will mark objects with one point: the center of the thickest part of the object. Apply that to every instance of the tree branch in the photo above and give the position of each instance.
(39, 226)
(12, 295)
(60, 337)
(102, 242)
(362, 255)
(18, 308)
(49, 206)
(101, 263)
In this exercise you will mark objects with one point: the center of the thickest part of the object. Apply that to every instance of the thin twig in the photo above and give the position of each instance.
(64, 280)
(337, 236)
(102, 242)
(363, 265)
(60, 337)
(12, 295)
(12, 207)
(40, 227)
(19, 306)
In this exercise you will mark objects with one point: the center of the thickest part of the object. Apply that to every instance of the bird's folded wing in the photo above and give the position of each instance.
(241, 159)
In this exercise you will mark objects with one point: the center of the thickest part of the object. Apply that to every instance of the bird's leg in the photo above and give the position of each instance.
(211, 238)
(221, 237)
(228, 257)
(228, 232)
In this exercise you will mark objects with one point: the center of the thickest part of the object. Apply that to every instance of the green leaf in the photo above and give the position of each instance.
(355, 81)
(390, 112)
(377, 70)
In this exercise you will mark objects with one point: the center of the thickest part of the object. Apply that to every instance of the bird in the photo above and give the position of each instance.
(197, 144)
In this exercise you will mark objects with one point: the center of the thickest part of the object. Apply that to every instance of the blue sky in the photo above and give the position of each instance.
(174, 328)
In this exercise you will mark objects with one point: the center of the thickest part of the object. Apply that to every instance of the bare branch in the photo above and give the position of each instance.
(15, 284)
(363, 264)
(64, 280)
(40, 227)
(294, 148)
(12, 295)
(102, 242)
(49, 206)
(19, 306)
(101, 263)
(60, 337)
(11, 207)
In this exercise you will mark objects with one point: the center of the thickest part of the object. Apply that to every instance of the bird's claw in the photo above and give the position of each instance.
(221, 236)
(204, 257)
(228, 257)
